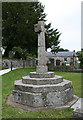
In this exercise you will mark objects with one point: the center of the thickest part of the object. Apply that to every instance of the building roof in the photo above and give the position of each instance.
(61, 54)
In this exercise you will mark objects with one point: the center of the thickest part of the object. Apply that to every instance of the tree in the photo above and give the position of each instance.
(80, 56)
(52, 39)
(18, 26)
(62, 49)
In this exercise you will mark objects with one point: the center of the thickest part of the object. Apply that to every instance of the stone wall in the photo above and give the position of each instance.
(64, 69)
(59, 68)
(51, 66)
(30, 62)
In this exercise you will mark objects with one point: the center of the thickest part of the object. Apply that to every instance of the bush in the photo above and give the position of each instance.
(30, 55)
(17, 52)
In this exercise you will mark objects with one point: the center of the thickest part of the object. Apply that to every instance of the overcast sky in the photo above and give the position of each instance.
(66, 16)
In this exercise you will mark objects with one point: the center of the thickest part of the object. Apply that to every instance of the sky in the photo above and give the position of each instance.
(65, 15)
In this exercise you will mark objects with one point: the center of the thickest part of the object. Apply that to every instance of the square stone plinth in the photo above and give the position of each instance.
(41, 69)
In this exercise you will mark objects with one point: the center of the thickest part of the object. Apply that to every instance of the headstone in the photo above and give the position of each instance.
(78, 109)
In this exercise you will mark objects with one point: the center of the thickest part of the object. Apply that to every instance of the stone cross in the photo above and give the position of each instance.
(39, 28)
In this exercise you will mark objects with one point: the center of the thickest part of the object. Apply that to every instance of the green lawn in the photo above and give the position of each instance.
(76, 81)
(13, 112)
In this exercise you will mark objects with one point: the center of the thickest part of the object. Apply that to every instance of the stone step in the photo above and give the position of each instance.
(30, 108)
(42, 75)
(42, 81)
(43, 99)
(42, 88)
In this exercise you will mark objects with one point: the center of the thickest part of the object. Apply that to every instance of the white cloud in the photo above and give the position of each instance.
(66, 16)
(60, 8)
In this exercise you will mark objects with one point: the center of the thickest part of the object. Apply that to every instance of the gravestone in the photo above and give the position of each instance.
(42, 88)
(78, 109)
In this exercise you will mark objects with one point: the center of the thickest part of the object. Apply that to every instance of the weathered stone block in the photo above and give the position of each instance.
(27, 98)
(60, 98)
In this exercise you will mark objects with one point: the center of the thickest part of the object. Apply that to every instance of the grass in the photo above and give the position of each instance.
(13, 112)
(76, 81)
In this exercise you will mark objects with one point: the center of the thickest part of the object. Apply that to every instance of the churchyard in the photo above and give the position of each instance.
(14, 112)
(39, 93)
(30, 93)
(43, 93)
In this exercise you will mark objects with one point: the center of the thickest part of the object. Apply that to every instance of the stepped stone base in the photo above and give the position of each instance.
(37, 91)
